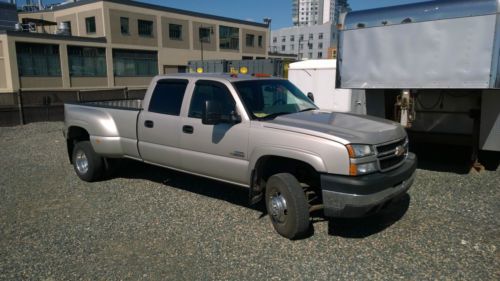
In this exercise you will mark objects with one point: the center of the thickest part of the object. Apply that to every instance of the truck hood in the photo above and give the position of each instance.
(341, 127)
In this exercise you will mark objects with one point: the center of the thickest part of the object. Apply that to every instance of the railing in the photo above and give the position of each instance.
(27, 106)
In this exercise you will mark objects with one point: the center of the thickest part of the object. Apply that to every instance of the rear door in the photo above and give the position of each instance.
(158, 125)
(221, 150)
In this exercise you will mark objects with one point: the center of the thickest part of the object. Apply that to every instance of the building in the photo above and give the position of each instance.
(8, 15)
(117, 43)
(307, 42)
(312, 12)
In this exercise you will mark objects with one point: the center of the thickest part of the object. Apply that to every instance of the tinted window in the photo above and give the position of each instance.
(210, 91)
(167, 97)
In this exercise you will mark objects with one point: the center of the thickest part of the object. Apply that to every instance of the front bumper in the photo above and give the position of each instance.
(345, 196)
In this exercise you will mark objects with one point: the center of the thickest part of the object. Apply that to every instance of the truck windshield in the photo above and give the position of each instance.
(268, 98)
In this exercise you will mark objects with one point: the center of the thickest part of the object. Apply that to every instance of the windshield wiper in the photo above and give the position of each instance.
(273, 115)
(308, 109)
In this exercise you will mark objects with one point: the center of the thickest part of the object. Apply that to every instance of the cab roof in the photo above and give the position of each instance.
(222, 76)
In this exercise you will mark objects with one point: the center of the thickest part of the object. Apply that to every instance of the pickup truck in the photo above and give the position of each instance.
(258, 132)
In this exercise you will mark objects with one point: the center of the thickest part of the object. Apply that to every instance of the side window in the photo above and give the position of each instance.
(167, 97)
(206, 90)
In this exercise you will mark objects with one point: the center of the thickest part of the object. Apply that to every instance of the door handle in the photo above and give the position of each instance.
(149, 124)
(187, 129)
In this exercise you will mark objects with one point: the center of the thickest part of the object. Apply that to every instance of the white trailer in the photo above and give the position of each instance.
(433, 66)
(317, 77)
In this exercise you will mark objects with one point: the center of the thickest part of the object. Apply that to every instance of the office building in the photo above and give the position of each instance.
(312, 12)
(117, 43)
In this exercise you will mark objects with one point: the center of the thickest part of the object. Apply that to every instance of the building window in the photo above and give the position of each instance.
(175, 31)
(283, 38)
(311, 36)
(250, 38)
(320, 36)
(135, 63)
(275, 39)
(38, 59)
(90, 25)
(301, 47)
(260, 41)
(320, 55)
(320, 45)
(68, 24)
(229, 37)
(145, 27)
(204, 34)
(301, 37)
(292, 47)
(282, 48)
(124, 26)
(87, 61)
(310, 55)
(309, 46)
(292, 38)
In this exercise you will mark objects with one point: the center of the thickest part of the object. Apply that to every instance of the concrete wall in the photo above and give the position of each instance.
(256, 49)
(132, 81)
(88, 82)
(184, 42)
(38, 82)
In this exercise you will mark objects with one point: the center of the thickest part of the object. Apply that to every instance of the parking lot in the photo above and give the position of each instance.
(148, 223)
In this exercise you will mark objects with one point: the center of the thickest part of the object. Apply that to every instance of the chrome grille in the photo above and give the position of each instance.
(387, 156)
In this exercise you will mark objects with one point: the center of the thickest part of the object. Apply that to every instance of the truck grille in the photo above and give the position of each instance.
(391, 155)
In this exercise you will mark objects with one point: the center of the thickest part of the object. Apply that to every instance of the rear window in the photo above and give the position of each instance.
(167, 97)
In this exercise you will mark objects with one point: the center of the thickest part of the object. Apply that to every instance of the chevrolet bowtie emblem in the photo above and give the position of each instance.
(400, 150)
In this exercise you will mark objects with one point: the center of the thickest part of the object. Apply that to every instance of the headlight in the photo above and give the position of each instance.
(359, 150)
(361, 169)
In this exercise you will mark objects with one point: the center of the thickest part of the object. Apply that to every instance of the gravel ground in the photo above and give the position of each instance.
(149, 223)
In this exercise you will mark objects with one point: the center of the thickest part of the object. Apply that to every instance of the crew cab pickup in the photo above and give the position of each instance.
(260, 133)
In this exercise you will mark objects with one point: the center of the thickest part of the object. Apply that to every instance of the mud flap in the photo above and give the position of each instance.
(255, 191)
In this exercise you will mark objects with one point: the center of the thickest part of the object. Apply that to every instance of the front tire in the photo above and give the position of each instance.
(287, 206)
(88, 165)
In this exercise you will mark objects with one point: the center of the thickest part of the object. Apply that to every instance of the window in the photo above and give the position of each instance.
(38, 59)
(90, 25)
(292, 38)
(320, 55)
(283, 48)
(250, 38)
(309, 46)
(320, 45)
(260, 41)
(175, 31)
(87, 61)
(124, 26)
(310, 55)
(292, 47)
(320, 36)
(265, 97)
(301, 37)
(283, 38)
(205, 34)
(208, 90)
(68, 24)
(301, 47)
(311, 36)
(229, 37)
(275, 39)
(145, 27)
(135, 63)
(167, 96)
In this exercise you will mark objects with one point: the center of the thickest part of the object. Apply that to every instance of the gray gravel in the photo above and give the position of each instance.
(149, 223)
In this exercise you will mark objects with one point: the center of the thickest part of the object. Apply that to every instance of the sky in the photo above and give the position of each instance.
(280, 11)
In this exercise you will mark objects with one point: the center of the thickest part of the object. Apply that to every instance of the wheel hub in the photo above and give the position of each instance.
(277, 207)
(82, 163)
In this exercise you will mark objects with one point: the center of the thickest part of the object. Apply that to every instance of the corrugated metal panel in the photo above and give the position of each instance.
(453, 53)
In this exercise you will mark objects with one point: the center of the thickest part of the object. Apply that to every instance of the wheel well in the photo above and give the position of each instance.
(271, 165)
(74, 135)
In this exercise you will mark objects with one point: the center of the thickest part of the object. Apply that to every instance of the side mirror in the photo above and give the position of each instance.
(310, 96)
(211, 114)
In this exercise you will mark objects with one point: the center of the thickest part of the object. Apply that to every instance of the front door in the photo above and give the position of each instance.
(220, 150)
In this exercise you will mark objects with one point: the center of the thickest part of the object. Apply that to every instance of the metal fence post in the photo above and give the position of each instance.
(125, 93)
(20, 106)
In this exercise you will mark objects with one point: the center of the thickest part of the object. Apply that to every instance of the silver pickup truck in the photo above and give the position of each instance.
(260, 133)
